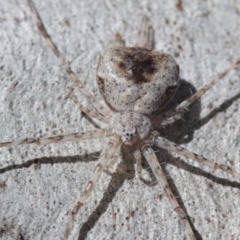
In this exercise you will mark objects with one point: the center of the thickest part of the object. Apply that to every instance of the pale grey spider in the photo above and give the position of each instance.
(135, 83)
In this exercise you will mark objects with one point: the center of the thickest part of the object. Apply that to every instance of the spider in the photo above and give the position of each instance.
(135, 83)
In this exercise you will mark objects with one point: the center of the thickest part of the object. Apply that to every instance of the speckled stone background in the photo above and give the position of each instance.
(40, 184)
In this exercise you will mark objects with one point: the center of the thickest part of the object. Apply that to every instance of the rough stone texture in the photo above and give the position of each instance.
(39, 184)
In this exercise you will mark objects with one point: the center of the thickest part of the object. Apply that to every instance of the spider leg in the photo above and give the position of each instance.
(164, 143)
(106, 154)
(114, 158)
(138, 157)
(91, 113)
(175, 114)
(145, 34)
(159, 174)
(97, 133)
(119, 41)
(99, 108)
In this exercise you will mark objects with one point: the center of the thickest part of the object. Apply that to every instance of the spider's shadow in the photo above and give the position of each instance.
(180, 132)
(177, 132)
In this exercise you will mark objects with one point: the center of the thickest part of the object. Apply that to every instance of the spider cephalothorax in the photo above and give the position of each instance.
(131, 126)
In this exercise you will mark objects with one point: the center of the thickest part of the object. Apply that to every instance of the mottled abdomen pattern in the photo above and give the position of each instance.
(137, 79)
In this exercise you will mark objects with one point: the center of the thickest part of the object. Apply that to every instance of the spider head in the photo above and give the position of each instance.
(131, 127)
(129, 134)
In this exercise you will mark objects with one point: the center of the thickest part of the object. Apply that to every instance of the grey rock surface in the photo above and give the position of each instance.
(40, 184)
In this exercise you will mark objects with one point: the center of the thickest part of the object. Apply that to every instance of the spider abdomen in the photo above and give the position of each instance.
(137, 79)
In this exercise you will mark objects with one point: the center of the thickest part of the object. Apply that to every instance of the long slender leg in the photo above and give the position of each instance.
(106, 154)
(114, 159)
(175, 114)
(158, 172)
(89, 112)
(99, 108)
(164, 143)
(119, 41)
(145, 35)
(98, 133)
